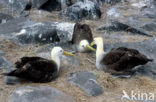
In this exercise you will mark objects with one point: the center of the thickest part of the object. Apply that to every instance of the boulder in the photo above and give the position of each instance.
(150, 26)
(101, 2)
(150, 14)
(141, 4)
(119, 26)
(52, 5)
(13, 26)
(4, 63)
(114, 13)
(81, 10)
(37, 33)
(5, 17)
(110, 1)
(148, 70)
(65, 31)
(38, 3)
(39, 94)
(26, 31)
(87, 81)
(19, 5)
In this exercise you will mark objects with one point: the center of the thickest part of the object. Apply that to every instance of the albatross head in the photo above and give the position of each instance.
(97, 41)
(84, 46)
(57, 52)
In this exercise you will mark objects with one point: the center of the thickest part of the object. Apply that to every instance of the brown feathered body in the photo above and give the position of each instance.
(123, 59)
(81, 32)
(35, 69)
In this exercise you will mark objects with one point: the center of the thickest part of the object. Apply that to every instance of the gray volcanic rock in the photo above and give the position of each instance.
(52, 5)
(150, 13)
(37, 32)
(25, 31)
(5, 17)
(13, 26)
(39, 94)
(80, 10)
(65, 31)
(4, 63)
(19, 5)
(119, 26)
(87, 81)
(148, 69)
(38, 3)
(150, 26)
(110, 1)
(113, 12)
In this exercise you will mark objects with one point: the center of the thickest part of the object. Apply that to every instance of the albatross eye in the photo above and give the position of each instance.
(61, 51)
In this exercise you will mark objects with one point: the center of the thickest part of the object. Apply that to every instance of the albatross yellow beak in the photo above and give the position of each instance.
(68, 54)
(91, 48)
(93, 43)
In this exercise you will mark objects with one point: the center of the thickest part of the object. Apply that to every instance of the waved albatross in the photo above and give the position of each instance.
(38, 69)
(82, 37)
(118, 61)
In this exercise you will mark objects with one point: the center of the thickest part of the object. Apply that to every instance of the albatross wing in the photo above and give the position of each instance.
(39, 70)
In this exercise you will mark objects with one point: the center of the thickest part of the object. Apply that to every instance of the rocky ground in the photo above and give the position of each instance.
(34, 32)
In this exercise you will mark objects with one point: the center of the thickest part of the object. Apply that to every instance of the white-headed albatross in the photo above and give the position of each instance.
(119, 60)
(38, 69)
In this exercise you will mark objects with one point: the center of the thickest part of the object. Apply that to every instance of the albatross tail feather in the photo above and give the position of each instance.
(12, 73)
(151, 60)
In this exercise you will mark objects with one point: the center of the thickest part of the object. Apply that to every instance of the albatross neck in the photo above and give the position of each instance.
(56, 58)
(100, 50)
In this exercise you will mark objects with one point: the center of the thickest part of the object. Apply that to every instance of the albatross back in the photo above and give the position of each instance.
(81, 32)
(122, 59)
(35, 69)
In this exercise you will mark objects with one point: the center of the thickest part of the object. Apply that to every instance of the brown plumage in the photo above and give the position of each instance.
(35, 69)
(81, 32)
(124, 59)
